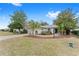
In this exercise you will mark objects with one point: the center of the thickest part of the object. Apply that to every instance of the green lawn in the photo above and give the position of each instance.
(31, 46)
(3, 33)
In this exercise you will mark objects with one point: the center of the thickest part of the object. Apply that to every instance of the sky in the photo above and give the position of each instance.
(41, 12)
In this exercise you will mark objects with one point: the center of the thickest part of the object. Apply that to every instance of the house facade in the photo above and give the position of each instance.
(53, 30)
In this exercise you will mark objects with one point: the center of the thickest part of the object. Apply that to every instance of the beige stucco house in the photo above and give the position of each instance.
(53, 29)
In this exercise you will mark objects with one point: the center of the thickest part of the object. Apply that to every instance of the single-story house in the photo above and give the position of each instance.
(53, 29)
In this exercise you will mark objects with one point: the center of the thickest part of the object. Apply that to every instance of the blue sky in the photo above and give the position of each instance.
(36, 11)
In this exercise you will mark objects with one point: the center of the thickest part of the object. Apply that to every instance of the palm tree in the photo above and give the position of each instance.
(33, 25)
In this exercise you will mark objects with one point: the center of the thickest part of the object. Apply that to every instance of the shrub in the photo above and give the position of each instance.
(2, 30)
(11, 30)
(75, 33)
(24, 31)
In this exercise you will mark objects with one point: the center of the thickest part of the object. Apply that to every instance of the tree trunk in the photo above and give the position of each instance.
(67, 31)
(62, 32)
(19, 30)
(33, 32)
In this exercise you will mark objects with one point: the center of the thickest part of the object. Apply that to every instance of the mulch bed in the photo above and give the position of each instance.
(50, 37)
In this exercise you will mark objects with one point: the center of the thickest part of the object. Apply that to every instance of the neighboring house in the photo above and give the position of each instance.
(17, 30)
(75, 29)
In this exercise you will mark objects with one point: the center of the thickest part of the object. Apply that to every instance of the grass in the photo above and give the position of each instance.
(3, 33)
(24, 46)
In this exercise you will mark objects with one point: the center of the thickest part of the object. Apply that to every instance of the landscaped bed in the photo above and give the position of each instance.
(37, 46)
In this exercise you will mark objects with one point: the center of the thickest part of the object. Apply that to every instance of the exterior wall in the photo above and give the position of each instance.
(39, 31)
(52, 30)
(44, 30)
(29, 31)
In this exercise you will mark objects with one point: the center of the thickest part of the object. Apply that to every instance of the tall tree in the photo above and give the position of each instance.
(18, 20)
(66, 20)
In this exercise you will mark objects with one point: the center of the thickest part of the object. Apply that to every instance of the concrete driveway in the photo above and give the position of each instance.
(11, 36)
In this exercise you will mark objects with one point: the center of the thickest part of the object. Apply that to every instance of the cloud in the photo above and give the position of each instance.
(52, 14)
(17, 4)
(77, 14)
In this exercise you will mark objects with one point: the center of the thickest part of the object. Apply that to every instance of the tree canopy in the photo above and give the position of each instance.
(66, 20)
(18, 19)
